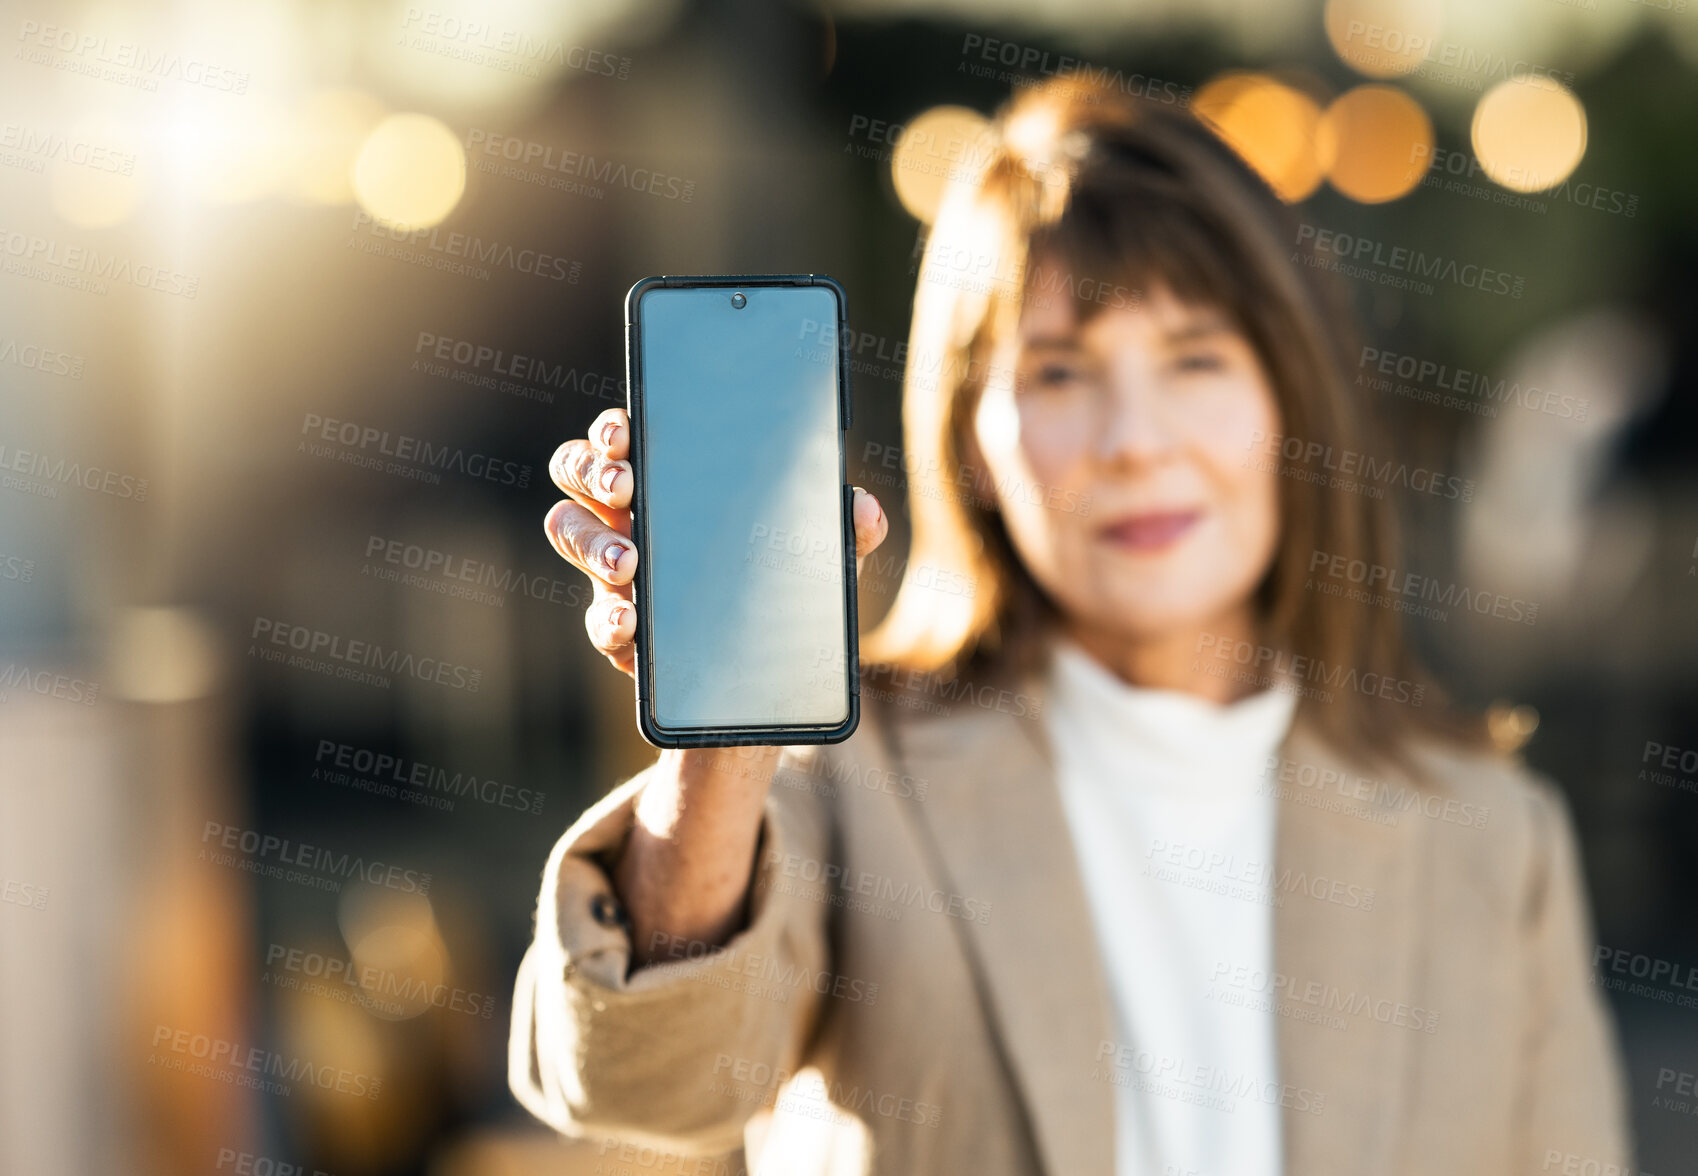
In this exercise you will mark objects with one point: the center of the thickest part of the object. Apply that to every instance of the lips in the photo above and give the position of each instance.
(1150, 531)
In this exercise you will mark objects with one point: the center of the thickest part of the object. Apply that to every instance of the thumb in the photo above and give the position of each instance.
(871, 526)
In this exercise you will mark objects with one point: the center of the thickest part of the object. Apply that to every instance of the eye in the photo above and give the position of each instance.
(1200, 361)
(1054, 374)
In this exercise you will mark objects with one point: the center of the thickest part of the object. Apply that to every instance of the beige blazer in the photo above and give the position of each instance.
(919, 990)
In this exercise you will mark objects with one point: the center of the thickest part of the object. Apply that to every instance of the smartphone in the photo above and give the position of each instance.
(738, 392)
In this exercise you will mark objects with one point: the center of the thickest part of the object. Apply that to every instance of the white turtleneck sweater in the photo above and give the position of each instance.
(1174, 832)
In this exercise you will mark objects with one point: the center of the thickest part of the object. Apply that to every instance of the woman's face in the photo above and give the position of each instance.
(1119, 454)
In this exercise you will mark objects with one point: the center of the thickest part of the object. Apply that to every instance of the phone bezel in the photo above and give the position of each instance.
(734, 736)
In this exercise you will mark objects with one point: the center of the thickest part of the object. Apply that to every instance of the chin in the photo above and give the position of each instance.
(1151, 616)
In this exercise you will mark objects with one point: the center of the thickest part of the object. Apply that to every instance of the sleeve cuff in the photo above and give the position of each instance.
(597, 1048)
(582, 924)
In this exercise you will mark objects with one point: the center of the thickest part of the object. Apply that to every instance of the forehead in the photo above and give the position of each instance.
(1055, 318)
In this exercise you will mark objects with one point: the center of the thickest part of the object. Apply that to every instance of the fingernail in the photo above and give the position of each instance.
(608, 477)
(607, 432)
(611, 554)
(616, 616)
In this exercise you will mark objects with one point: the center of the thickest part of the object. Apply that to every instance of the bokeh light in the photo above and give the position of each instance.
(1374, 143)
(330, 128)
(945, 145)
(359, 1130)
(1383, 38)
(1511, 726)
(1034, 138)
(1529, 133)
(101, 186)
(189, 318)
(499, 57)
(395, 944)
(1270, 125)
(226, 155)
(411, 171)
(163, 655)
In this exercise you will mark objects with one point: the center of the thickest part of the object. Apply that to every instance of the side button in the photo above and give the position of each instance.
(848, 391)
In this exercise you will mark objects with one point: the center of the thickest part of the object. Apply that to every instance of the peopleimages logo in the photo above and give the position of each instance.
(41, 475)
(428, 569)
(39, 147)
(1363, 257)
(25, 894)
(768, 975)
(309, 643)
(882, 357)
(1215, 1087)
(1449, 62)
(965, 483)
(15, 675)
(47, 260)
(482, 366)
(1443, 167)
(570, 167)
(1311, 782)
(1202, 867)
(242, 1163)
(394, 994)
(100, 56)
(367, 446)
(510, 50)
(384, 770)
(1328, 997)
(41, 359)
(877, 888)
(296, 861)
(255, 1060)
(1278, 666)
(1350, 469)
(450, 245)
(807, 1093)
(1029, 60)
(1433, 382)
(1388, 587)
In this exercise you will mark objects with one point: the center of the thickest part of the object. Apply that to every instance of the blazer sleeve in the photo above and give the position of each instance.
(654, 1056)
(1575, 1085)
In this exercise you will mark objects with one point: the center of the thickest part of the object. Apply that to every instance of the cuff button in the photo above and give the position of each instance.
(606, 911)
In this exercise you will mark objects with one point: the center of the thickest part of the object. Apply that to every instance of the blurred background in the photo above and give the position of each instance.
(296, 299)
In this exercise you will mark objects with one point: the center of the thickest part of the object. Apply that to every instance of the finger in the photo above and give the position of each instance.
(871, 525)
(589, 544)
(591, 477)
(610, 433)
(611, 621)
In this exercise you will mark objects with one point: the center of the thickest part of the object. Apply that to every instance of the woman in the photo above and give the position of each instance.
(1150, 856)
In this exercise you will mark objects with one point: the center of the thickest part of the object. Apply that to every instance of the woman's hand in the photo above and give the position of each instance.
(592, 529)
(685, 869)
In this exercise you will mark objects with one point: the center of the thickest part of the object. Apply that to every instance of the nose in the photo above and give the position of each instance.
(1133, 429)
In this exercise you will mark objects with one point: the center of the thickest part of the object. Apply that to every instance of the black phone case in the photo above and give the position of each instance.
(634, 405)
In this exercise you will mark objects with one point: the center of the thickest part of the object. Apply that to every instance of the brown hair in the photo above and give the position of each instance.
(1089, 194)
